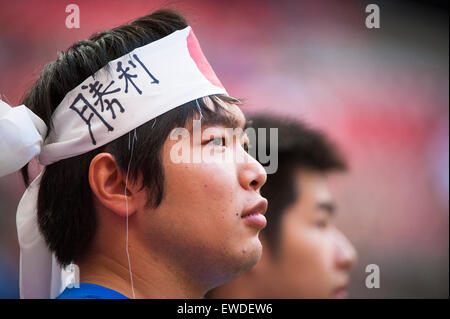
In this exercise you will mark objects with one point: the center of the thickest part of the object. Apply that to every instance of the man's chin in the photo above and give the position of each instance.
(249, 255)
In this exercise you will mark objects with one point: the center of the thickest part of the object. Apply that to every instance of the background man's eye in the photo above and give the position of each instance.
(246, 147)
(321, 223)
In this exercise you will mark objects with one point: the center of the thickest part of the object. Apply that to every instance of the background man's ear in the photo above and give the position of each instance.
(108, 182)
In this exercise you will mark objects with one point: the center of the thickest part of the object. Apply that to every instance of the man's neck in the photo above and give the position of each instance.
(151, 277)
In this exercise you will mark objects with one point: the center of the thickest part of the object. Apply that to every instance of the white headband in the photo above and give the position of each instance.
(126, 93)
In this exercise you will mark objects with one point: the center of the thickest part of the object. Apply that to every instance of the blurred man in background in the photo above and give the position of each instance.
(305, 255)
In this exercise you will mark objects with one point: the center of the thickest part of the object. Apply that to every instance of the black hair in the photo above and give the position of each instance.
(299, 147)
(65, 209)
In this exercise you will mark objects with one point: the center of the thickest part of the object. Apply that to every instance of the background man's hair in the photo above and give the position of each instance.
(299, 147)
(66, 214)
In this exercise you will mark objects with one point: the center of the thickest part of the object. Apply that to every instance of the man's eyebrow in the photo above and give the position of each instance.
(328, 207)
(225, 120)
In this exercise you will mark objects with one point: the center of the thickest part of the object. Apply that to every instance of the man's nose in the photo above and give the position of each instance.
(346, 254)
(251, 174)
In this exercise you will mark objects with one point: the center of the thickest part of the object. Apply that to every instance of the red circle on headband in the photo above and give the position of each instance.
(200, 60)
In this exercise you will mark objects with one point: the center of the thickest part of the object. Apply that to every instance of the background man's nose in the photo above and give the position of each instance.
(346, 254)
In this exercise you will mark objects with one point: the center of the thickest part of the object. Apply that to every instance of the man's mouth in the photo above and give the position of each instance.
(254, 216)
(341, 292)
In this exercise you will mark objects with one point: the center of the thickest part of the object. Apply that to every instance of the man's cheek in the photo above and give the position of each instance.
(305, 245)
(218, 184)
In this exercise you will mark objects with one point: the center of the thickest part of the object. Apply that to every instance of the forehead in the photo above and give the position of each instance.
(312, 186)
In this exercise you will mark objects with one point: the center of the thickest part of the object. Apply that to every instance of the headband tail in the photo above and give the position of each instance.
(40, 276)
(22, 133)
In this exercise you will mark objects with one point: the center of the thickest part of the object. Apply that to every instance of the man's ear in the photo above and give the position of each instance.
(108, 185)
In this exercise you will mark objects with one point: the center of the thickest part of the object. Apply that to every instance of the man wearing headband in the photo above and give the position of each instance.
(305, 254)
(112, 198)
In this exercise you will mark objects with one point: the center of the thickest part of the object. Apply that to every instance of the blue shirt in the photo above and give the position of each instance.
(90, 291)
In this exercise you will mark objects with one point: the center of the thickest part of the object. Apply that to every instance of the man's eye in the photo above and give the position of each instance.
(321, 223)
(219, 141)
(246, 147)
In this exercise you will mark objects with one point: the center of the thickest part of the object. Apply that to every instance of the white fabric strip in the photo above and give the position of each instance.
(123, 95)
(21, 136)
